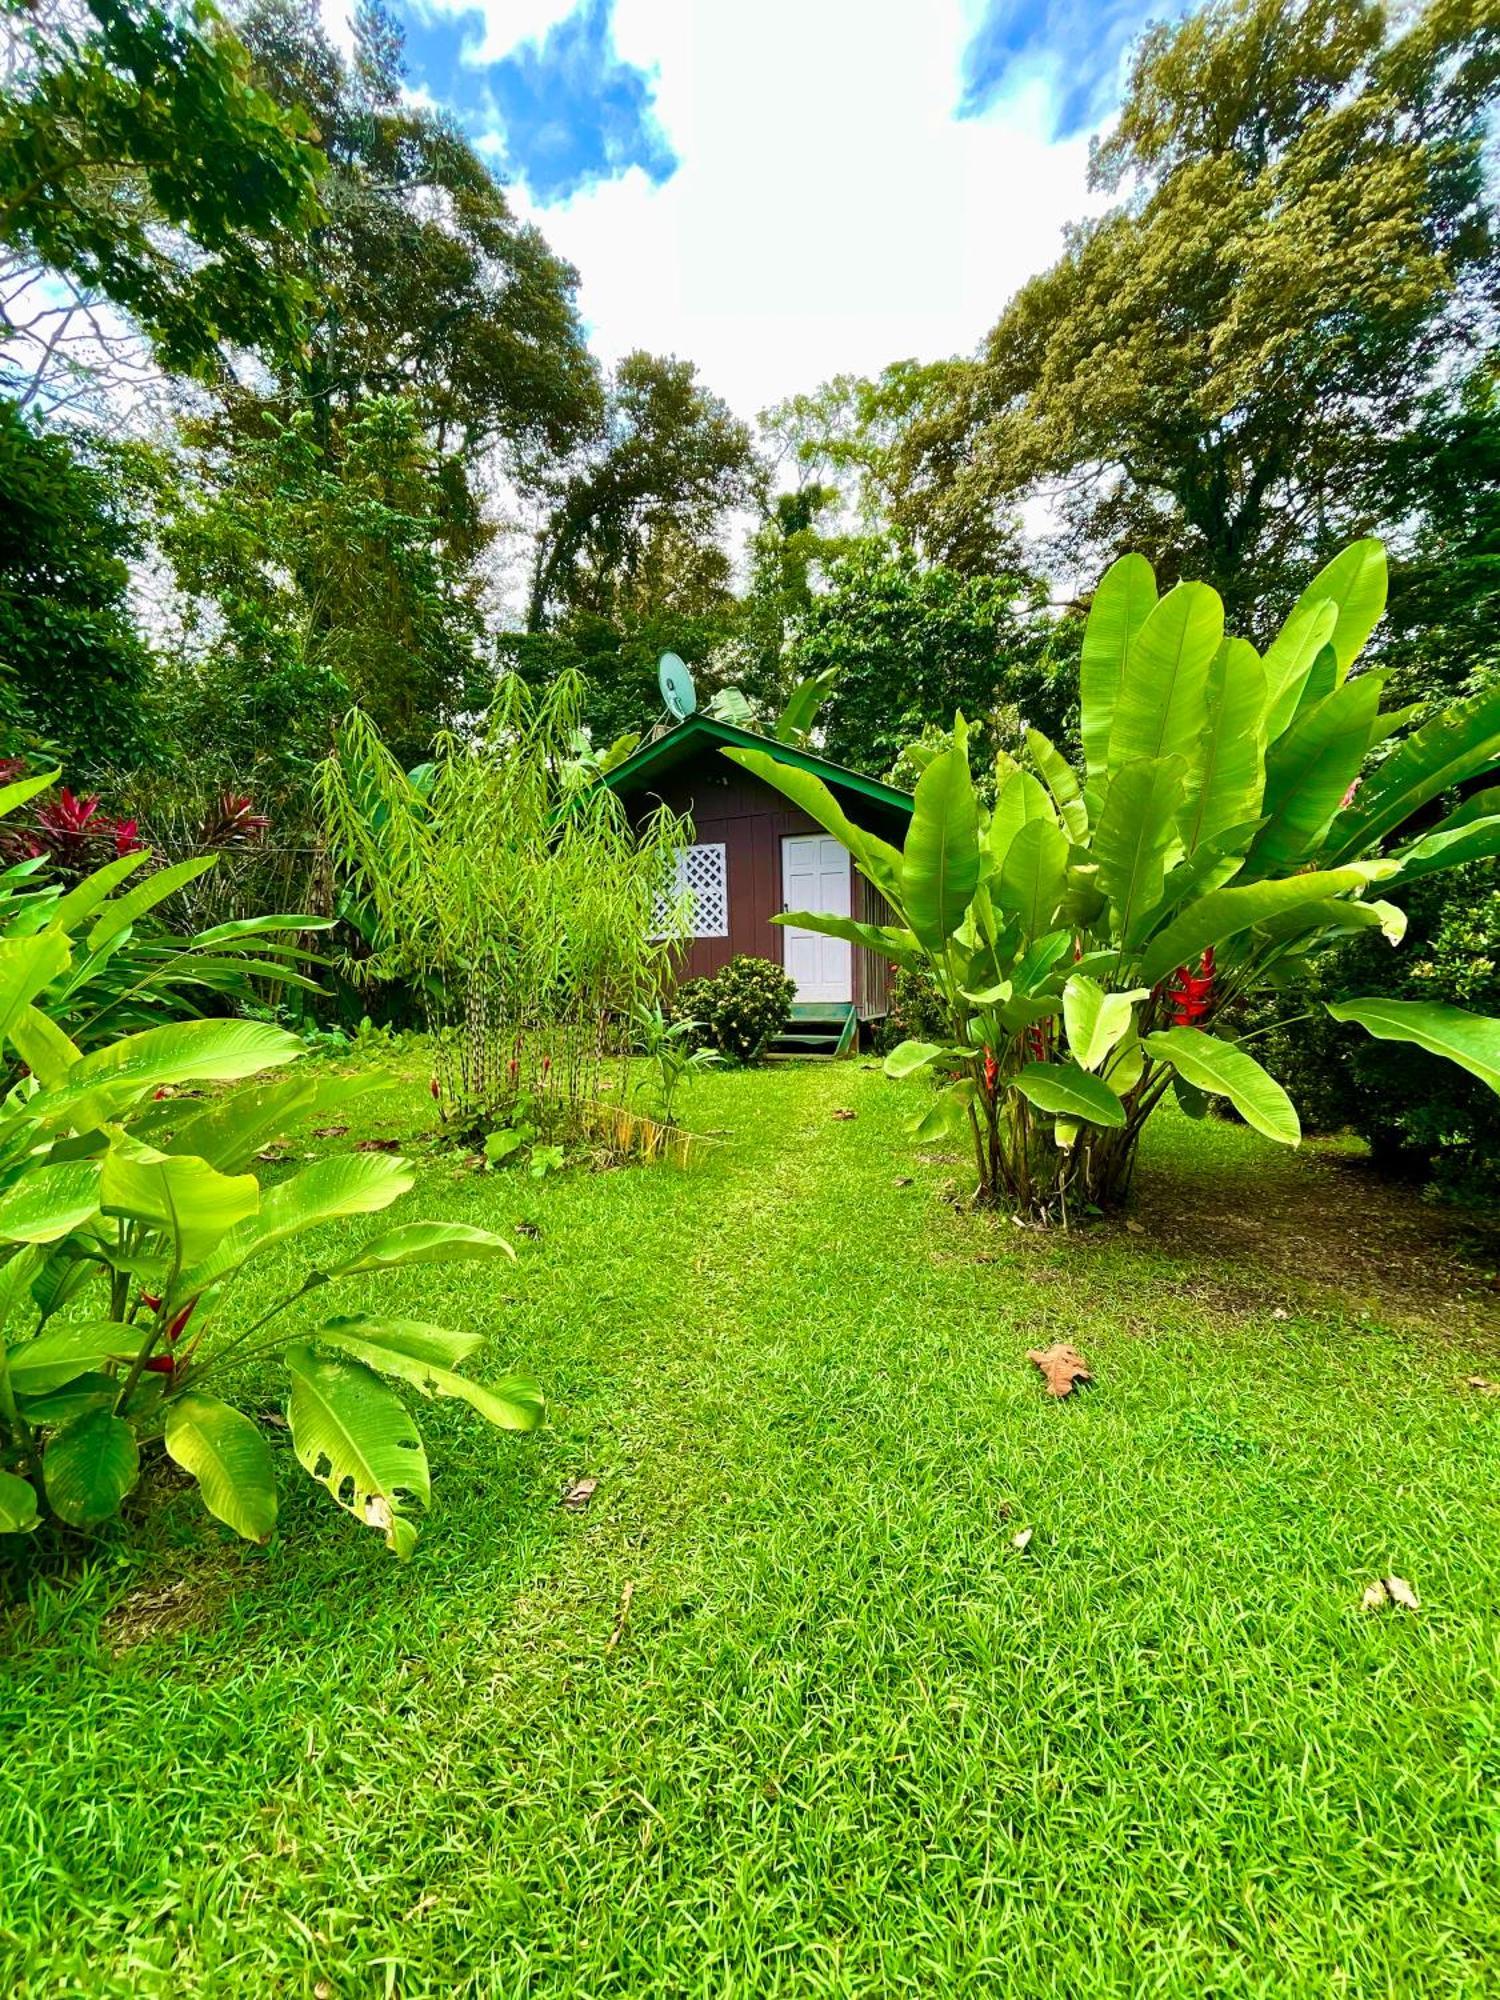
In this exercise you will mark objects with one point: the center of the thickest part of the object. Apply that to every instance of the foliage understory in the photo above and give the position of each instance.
(848, 1740)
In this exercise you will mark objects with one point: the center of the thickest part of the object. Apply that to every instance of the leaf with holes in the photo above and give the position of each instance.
(357, 1438)
(407, 1350)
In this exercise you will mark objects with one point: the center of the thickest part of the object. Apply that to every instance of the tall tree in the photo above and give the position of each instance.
(1214, 370)
(140, 169)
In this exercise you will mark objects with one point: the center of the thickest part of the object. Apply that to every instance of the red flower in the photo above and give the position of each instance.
(151, 1302)
(437, 1090)
(127, 837)
(546, 1065)
(69, 819)
(991, 1072)
(160, 1364)
(1192, 993)
(180, 1320)
(236, 823)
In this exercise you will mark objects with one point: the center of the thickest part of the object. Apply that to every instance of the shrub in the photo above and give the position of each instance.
(692, 1002)
(1091, 933)
(916, 1010)
(743, 1007)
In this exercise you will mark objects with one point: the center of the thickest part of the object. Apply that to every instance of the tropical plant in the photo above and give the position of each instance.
(670, 1044)
(523, 906)
(1087, 933)
(132, 1213)
(741, 1008)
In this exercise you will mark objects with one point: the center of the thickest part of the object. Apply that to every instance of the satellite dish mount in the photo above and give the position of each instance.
(677, 689)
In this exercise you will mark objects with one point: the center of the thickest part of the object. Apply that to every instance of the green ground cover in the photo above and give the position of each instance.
(784, 1711)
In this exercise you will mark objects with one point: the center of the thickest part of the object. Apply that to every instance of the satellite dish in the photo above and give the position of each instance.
(676, 684)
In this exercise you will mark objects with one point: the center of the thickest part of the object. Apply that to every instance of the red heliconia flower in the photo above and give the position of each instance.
(1036, 1041)
(151, 1302)
(180, 1320)
(1192, 993)
(437, 1091)
(127, 837)
(511, 1067)
(160, 1364)
(546, 1065)
(991, 1072)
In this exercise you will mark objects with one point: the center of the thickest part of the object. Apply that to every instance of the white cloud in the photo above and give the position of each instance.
(829, 213)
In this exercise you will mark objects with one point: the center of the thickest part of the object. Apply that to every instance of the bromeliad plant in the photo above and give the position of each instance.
(131, 1214)
(1086, 936)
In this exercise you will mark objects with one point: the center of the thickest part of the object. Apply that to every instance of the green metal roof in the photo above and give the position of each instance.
(702, 732)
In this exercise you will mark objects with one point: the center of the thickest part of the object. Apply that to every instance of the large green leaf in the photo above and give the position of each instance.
(1065, 1091)
(228, 1456)
(80, 903)
(514, 1403)
(46, 1051)
(21, 790)
(1309, 771)
(1136, 829)
(356, 1437)
(1224, 913)
(1289, 660)
(1062, 783)
(879, 860)
(908, 1057)
(1223, 1070)
(1160, 711)
(940, 861)
(120, 915)
(182, 1196)
(1448, 846)
(442, 1345)
(108, 1079)
(231, 1130)
(1355, 584)
(346, 1184)
(1019, 799)
(88, 1467)
(17, 1505)
(68, 1349)
(1124, 600)
(1460, 743)
(49, 1201)
(885, 940)
(1033, 876)
(1094, 1020)
(28, 966)
(423, 1243)
(1226, 768)
(1470, 1040)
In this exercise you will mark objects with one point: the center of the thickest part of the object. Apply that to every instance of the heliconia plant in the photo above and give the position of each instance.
(128, 1216)
(1089, 934)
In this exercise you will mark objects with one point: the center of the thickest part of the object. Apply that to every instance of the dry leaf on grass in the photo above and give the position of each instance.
(1061, 1367)
(1482, 1384)
(845, 1114)
(1136, 1228)
(377, 1145)
(329, 1131)
(577, 1496)
(1389, 1590)
(1019, 1540)
(903, 1180)
(620, 1617)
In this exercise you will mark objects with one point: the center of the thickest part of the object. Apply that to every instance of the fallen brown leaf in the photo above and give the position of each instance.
(903, 1180)
(1019, 1540)
(1482, 1384)
(1062, 1366)
(377, 1145)
(577, 1496)
(620, 1617)
(271, 1153)
(845, 1114)
(1136, 1228)
(329, 1131)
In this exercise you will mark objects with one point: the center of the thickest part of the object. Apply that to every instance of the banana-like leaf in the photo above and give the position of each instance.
(423, 1243)
(1020, 799)
(183, 1197)
(88, 1467)
(110, 1078)
(16, 794)
(1448, 846)
(1470, 1040)
(49, 1201)
(46, 1051)
(1160, 711)
(877, 858)
(66, 1351)
(1136, 829)
(1215, 863)
(1095, 1020)
(1289, 660)
(1034, 876)
(1479, 805)
(885, 940)
(17, 1505)
(514, 1403)
(120, 915)
(1126, 1065)
(908, 1057)
(1454, 746)
(945, 1119)
(1337, 917)
(92, 1390)
(1224, 913)
(1355, 584)
(1065, 1091)
(253, 927)
(1126, 597)
(356, 1437)
(1222, 1070)
(27, 967)
(940, 860)
(1058, 775)
(228, 1456)
(230, 1131)
(1226, 770)
(346, 1184)
(1309, 771)
(79, 904)
(441, 1345)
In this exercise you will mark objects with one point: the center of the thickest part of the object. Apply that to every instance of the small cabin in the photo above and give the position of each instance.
(755, 855)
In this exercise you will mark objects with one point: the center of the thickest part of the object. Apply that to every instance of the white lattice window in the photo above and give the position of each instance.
(702, 874)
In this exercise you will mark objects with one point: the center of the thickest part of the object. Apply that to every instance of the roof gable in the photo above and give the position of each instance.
(704, 733)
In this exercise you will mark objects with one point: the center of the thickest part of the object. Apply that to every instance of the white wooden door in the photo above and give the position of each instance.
(815, 876)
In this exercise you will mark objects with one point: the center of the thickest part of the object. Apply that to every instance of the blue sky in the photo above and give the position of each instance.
(781, 189)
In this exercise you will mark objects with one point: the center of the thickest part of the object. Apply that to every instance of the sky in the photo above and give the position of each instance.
(783, 190)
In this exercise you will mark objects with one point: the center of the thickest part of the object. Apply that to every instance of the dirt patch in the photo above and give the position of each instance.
(167, 1607)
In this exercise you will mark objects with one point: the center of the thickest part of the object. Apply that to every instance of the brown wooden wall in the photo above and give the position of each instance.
(872, 974)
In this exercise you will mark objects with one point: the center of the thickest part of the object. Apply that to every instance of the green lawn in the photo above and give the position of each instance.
(850, 1741)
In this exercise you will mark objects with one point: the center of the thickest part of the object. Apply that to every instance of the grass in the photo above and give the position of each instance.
(784, 1711)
